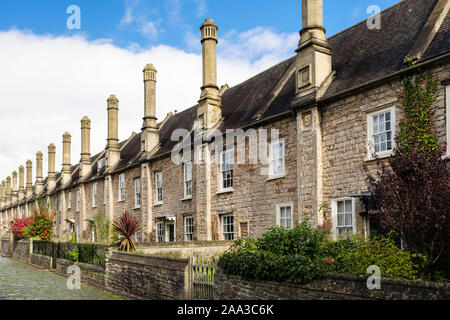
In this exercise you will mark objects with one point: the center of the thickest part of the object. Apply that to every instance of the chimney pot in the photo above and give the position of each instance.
(85, 165)
(150, 134)
(112, 147)
(66, 166)
(209, 109)
(29, 187)
(51, 167)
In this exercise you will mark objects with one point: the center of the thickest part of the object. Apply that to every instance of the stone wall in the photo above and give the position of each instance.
(5, 246)
(153, 278)
(21, 250)
(91, 273)
(334, 286)
(42, 261)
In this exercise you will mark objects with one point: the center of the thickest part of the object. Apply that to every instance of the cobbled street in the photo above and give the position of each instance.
(19, 281)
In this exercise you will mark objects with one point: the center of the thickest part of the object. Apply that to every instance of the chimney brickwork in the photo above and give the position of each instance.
(66, 173)
(39, 185)
(150, 134)
(85, 163)
(112, 146)
(209, 106)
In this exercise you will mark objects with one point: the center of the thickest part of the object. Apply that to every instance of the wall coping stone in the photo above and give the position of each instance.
(162, 262)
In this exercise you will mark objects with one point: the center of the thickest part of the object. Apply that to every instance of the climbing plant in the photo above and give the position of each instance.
(411, 192)
(416, 129)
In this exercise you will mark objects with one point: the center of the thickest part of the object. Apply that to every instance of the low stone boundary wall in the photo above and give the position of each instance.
(187, 249)
(21, 250)
(156, 278)
(334, 286)
(5, 247)
(41, 261)
(89, 272)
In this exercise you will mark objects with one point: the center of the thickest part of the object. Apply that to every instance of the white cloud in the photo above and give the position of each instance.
(48, 84)
(137, 14)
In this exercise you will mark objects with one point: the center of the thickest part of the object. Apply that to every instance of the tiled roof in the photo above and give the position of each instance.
(360, 56)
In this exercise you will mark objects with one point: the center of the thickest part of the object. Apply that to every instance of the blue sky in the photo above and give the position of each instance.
(52, 76)
(168, 22)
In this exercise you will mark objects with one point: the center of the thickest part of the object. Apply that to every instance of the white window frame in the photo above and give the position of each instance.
(188, 229)
(278, 213)
(370, 135)
(447, 116)
(222, 170)
(95, 195)
(138, 236)
(69, 200)
(272, 159)
(137, 193)
(334, 213)
(160, 232)
(224, 232)
(78, 200)
(187, 183)
(158, 188)
(122, 187)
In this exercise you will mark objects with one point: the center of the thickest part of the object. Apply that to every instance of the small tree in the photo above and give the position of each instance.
(18, 224)
(127, 225)
(412, 192)
(41, 225)
(102, 228)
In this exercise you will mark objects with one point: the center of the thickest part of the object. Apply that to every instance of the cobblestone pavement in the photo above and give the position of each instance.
(19, 281)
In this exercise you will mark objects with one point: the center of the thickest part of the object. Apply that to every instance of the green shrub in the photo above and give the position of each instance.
(73, 254)
(282, 255)
(355, 255)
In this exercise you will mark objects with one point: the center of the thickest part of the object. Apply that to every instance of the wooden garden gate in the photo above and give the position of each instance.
(202, 272)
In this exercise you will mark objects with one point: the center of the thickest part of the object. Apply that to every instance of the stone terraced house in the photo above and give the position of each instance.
(335, 103)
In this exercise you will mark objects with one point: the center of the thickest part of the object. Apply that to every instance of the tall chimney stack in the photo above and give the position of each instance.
(150, 135)
(21, 183)
(85, 165)
(29, 187)
(51, 167)
(14, 193)
(112, 146)
(313, 63)
(8, 190)
(39, 185)
(66, 166)
(209, 108)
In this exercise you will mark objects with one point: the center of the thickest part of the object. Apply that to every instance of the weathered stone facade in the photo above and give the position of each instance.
(324, 125)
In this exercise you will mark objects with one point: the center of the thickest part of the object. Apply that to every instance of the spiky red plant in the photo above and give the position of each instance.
(127, 225)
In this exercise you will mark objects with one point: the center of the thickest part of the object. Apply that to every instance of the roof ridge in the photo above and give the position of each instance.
(365, 20)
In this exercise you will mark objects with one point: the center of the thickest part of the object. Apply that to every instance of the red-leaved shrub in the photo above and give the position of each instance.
(18, 224)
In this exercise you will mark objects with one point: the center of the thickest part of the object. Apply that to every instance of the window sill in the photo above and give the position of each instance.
(446, 157)
(158, 204)
(379, 157)
(186, 198)
(136, 208)
(280, 176)
(121, 200)
(94, 207)
(224, 191)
